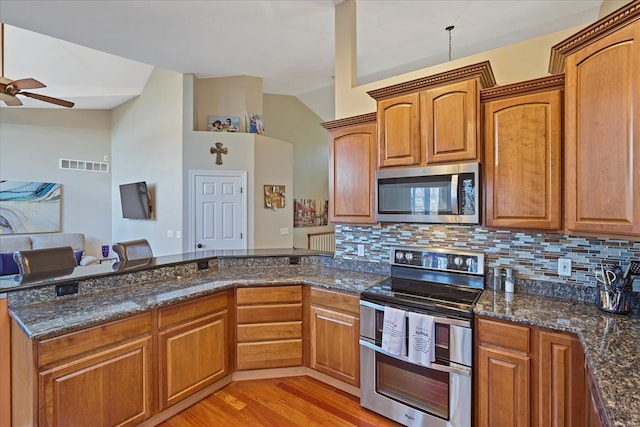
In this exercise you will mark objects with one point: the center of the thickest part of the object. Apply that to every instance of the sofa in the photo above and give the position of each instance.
(14, 243)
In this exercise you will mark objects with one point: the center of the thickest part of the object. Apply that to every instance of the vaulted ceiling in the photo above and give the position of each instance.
(100, 53)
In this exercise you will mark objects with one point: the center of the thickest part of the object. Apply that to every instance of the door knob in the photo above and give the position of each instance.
(200, 246)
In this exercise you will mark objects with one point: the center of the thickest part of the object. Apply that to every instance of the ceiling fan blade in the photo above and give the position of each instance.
(27, 84)
(49, 99)
(11, 101)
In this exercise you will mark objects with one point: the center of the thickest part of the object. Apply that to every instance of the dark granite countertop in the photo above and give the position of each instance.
(55, 317)
(610, 343)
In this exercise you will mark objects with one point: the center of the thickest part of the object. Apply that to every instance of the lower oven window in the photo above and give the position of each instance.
(416, 386)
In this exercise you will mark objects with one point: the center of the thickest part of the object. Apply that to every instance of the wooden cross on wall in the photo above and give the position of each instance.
(219, 151)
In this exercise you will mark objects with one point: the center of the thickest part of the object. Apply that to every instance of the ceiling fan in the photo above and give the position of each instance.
(10, 88)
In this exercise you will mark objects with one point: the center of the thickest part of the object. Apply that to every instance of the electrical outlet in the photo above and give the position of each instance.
(178, 234)
(360, 250)
(564, 267)
(169, 233)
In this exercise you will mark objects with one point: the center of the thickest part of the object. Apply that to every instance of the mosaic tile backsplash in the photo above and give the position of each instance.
(533, 256)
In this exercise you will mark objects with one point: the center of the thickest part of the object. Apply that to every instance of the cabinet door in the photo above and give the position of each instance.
(399, 131)
(109, 388)
(503, 388)
(192, 356)
(523, 161)
(591, 405)
(352, 165)
(602, 133)
(334, 344)
(450, 118)
(560, 379)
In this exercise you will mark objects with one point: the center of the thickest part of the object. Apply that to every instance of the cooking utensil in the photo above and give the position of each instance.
(606, 277)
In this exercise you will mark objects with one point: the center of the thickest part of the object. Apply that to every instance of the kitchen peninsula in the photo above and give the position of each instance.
(150, 309)
(173, 327)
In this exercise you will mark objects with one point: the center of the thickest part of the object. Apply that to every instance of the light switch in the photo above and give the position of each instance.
(284, 230)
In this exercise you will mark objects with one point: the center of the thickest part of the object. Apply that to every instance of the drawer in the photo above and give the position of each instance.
(269, 295)
(504, 334)
(336, 300)
(92, 339)
(183, 312)
(269, 354)
(269, 331)
(269, 313)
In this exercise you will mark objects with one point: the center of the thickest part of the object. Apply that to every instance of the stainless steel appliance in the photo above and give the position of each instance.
(431, 194)
(442, 283)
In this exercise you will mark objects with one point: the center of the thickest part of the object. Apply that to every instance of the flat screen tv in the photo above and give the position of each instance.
(135, 200)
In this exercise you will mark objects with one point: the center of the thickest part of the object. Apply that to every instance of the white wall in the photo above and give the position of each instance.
(32, 141)
(147, 146)
(273, 166)
(287, 118)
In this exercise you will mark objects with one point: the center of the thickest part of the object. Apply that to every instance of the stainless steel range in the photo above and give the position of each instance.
(444, 285)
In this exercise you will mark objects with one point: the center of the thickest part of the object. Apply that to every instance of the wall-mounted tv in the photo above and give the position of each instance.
(135, 200)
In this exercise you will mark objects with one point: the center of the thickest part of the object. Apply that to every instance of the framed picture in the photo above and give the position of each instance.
(223, 123)
(255, 123)
(310, 213)
(274, 197)
(29, 207)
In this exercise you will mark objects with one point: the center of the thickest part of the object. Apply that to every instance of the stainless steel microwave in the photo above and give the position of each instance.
(443, 194)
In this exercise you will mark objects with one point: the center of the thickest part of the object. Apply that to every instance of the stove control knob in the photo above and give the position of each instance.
(399, 256)
(409, 256)
(457, 261)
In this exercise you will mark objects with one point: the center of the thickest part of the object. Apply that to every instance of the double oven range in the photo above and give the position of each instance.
(441, 283)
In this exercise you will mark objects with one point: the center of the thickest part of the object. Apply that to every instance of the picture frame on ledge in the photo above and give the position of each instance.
(223, 123)
(254, 123)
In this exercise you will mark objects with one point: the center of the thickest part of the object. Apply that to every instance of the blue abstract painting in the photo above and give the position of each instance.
(29, 207)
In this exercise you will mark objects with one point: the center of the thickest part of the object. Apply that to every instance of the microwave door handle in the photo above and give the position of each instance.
(454, 194)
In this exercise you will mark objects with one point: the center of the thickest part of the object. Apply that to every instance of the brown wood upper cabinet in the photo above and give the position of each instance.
(352, 166)
(602, 130)
(399, 131)
(432, 120)
(523, 154)
(450, 122)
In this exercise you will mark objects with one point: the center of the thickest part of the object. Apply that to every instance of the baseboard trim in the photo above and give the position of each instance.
(297, 371)
(184, 404)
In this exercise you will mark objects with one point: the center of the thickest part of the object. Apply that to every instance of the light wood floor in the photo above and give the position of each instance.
(278, 402)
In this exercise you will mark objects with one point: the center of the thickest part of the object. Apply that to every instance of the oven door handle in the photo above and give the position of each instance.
(441, 320)
(456, 370)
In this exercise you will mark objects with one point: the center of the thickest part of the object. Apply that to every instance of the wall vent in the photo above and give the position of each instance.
(84, 165)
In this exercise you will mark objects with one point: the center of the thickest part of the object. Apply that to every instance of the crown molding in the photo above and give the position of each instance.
(350, 121)
(481, 71)
(521, 88)
(599, 29)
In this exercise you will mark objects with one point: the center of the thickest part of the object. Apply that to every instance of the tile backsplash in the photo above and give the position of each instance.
(533, 256)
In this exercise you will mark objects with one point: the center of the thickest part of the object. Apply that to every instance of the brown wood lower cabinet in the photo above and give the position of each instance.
(193, 347)
(334, 334)
(528, 376)
(269, 327)
(99, 376)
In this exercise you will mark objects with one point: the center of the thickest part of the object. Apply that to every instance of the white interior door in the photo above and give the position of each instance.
(220, 210)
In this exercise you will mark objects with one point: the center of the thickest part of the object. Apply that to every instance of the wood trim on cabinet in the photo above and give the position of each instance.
(92, 339)
(481, 71)
(24, 386)
(5, 364)
(542, 84)
(350, 121)
(599, 29)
